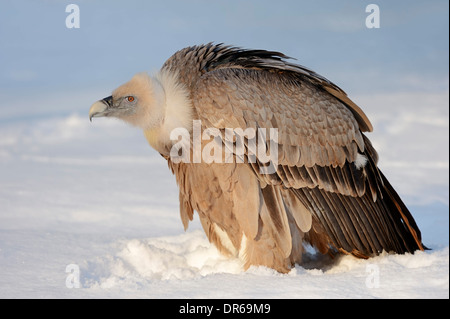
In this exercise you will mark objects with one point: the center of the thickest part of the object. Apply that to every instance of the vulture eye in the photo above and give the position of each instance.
(130, 98)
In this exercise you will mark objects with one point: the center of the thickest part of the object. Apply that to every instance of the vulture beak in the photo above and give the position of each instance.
(100, 108)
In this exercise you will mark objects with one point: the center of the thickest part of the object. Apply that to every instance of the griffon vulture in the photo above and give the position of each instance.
(325, 189)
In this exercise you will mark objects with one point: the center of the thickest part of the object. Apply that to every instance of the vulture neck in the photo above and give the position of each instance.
(177, 111)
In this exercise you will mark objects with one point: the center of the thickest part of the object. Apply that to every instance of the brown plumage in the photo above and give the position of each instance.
(327, 189)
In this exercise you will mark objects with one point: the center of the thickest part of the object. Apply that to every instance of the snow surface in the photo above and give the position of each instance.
(94, 200)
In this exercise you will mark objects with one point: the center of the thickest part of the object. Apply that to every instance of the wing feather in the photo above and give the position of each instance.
(319, 140)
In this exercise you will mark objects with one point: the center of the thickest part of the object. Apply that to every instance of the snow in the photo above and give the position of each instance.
(165, 262)
(92, 201)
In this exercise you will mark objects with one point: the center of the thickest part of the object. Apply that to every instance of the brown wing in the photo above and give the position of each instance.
(323, 157)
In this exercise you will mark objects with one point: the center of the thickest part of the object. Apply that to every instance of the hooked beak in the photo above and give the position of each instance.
(100, 108)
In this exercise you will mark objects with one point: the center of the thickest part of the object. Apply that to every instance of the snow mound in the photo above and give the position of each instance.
(187, 256)
(157, 267)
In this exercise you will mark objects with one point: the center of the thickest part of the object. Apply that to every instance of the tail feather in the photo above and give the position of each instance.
(404, 221)
(361, 226)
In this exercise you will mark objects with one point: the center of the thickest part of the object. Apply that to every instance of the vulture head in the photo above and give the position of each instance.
(156, 104)
(139, 102)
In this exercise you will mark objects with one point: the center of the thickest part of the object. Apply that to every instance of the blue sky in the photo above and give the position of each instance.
(40, 56)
